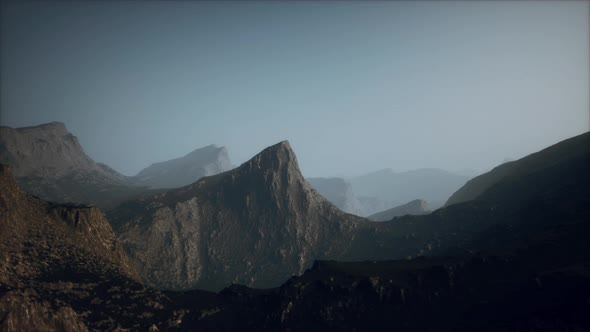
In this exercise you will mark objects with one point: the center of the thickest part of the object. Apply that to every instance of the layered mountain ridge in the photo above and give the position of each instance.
(256, 225)
(49, 162)
(520, 256)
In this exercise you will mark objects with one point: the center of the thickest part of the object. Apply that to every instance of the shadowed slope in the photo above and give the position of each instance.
(559, 153)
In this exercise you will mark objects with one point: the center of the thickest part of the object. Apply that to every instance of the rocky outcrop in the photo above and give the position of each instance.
(63, 269)
(47, 151)
(255, 225)
(339, 192)
(49, 162)
(185, 170)
(415, 207)
(75, 237)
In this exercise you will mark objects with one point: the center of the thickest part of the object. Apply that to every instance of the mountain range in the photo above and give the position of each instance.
(49, 162)
(508, 252)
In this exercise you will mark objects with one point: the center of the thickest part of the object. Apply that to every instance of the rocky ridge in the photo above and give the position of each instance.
(255, 225)
(48, 162)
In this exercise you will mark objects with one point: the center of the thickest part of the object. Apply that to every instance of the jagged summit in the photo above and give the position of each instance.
(275, 157)
(256, 225)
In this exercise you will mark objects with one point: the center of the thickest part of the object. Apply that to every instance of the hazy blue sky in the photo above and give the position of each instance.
(354, 86)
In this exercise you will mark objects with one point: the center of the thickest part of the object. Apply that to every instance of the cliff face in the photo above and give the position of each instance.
(47, 151)
(72, 235)
(60, 265)
(183, 171)
(255, 225)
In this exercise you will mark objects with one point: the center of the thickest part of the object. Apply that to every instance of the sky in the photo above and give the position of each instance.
(355, 86)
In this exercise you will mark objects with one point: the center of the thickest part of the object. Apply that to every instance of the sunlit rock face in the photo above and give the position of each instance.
(63, 269)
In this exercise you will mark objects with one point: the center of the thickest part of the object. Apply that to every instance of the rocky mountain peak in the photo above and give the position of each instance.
(48, 150)
(73, 233)
(49, 162)
(263, 212)
(275, 158)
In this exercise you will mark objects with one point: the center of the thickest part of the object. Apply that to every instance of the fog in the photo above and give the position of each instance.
(354, 86)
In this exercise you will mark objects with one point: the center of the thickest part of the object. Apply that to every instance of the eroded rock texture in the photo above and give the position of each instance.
(255, 225)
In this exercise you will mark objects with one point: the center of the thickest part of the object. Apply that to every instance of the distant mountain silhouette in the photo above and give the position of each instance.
(514, 171)
(339, 192)
(431, 184)
(550, 188)
(183, 171)
(415, 207)
(256, 225)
